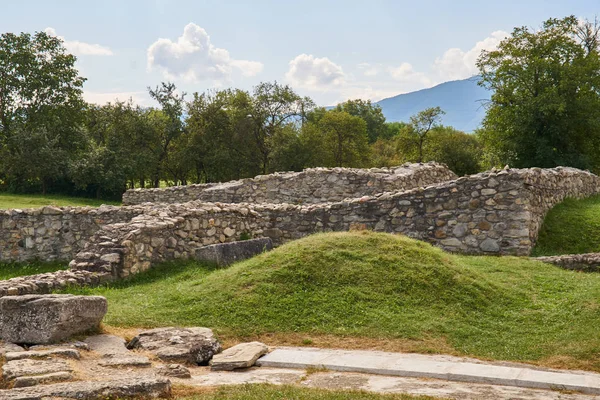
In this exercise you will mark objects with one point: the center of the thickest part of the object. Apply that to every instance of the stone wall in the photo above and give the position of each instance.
(490, 213)
(316, 185)
(589, 262)
(53, 233)
(496, 212)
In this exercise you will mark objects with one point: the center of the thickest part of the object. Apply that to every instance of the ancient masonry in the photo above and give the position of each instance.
(497, 212)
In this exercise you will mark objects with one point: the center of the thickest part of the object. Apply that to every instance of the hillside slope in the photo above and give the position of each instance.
(461, 100)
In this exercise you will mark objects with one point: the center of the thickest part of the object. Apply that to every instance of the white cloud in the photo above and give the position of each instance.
(194, 58)
(369, 69)
(310, 72)
(405, 73)
(458, 64)
(81, 48)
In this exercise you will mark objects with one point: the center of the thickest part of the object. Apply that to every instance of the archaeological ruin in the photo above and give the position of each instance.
(498, 212)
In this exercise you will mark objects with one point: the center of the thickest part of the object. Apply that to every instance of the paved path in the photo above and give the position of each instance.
(438, 367)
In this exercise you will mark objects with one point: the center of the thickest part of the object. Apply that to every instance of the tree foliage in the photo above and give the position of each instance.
(40, 109)
(545, 107)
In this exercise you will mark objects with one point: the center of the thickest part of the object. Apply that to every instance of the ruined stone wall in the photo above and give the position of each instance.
(489, 213)
(497, 212)
(54, 233)
(316, 185)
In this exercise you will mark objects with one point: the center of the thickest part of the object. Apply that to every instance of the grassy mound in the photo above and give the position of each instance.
(572, 227)
(379, 287)
(9, 200)
(12, 270)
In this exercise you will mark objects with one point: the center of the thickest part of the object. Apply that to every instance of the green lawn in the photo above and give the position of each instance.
(572, 227)
(12, 270)
(9, 200)
(270, 392)
(377, 287)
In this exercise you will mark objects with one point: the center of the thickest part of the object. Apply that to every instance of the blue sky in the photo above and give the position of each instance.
(329, 50)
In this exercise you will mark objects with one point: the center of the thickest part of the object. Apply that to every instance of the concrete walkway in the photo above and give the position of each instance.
(437, 367)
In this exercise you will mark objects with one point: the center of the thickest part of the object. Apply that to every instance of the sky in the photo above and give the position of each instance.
(330, 50)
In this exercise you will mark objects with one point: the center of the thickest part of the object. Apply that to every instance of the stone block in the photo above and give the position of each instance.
(43, 319)
(243, 355)
(229, 253)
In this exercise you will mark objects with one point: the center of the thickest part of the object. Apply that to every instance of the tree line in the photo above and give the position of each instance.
(544, 111)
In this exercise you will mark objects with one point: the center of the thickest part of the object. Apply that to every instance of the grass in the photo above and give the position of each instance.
(572, 227)
(377, 289)
(287, 392)
(13, 270)
(9, 200)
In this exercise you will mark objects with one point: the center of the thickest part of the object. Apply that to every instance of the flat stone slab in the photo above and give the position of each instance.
(243, 355)
(51, 318)
(26, 381)
(224, 254)
(421, 366)
(37, 354)
(107, 344)
(124, 388)
(334, 380)
(9, 348)
(125, 361)
(178, 345)
(28, 367)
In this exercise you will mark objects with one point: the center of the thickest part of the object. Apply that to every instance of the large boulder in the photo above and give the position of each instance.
(50, 318)
(178, 345)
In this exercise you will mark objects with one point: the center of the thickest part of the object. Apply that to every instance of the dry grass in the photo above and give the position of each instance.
(436, 345)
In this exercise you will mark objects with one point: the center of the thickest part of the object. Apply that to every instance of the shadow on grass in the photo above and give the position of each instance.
(19, 269)
(177, 269)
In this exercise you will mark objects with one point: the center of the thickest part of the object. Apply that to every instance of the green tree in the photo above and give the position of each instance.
(545, 106)
(421, 124)
(345, 140)
(370, 113)
(41, 106)
(171, 125)
(460, 151)
(273, 107)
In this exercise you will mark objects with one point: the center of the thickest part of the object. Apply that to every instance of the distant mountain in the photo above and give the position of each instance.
(461, 100)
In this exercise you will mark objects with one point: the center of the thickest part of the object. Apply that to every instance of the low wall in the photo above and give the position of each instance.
(311, 186)
(497, 212)
(54, 233)
(589, 262)
(489, 213)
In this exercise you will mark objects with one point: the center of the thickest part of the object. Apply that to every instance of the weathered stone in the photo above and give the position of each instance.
(9, 348)
(174, 371)
(123, 388)
(26, 381)
(119, 360)
(243, 355)
(229, 253)
(28, 367)
(42, 319)
(178, 345)
(36, 354)
(490, 246)
(107, 345)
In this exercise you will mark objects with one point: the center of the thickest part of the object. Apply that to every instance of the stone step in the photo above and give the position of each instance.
(26, 381)
(123, 388)
(36, 354)
(421, 366)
